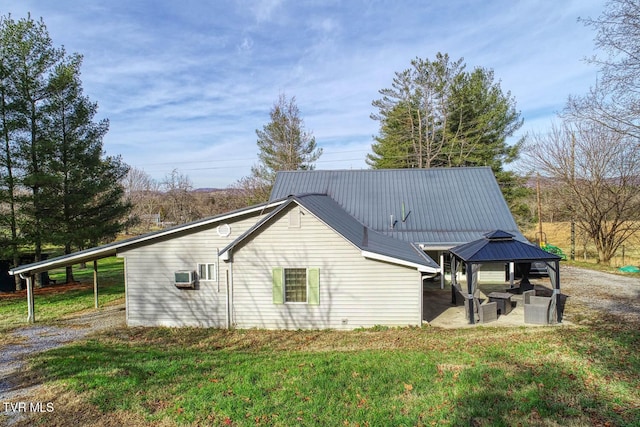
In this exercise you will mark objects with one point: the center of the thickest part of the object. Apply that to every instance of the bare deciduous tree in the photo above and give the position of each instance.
(179, 202)
(613, 101)
(598, 175)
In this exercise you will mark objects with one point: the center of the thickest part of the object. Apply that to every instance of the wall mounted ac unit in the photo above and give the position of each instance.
(185, 279)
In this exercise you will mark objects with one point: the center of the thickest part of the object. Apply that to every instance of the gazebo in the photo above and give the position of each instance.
(501, 247)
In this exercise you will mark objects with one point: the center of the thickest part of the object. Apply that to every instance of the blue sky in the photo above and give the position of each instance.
(186, 83)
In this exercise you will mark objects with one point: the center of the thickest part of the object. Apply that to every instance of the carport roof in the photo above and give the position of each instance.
(112, 249)
(500, 246)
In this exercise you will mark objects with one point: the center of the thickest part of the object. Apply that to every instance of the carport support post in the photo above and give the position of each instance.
(95, 283)
(31, 316)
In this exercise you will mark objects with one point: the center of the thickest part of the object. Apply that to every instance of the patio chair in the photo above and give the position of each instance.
(537, 310)
(488, 312)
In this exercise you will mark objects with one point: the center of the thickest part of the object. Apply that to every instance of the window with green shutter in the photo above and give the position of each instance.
(278, 285)
(296, 285)
(314, 286)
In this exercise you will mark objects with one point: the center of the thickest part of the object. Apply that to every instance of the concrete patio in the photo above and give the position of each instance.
(439, 312)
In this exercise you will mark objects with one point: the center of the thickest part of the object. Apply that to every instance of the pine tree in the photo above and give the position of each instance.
(84, 196)
(284, 144)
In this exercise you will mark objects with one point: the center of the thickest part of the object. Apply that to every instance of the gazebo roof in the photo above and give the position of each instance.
(500, 246)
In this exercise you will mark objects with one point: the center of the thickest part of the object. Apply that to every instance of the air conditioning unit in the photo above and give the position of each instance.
(185, 279)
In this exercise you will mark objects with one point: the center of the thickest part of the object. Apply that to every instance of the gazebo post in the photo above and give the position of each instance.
(556, 292)
(454, 283)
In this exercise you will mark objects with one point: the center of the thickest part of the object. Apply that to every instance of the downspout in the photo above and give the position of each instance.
(421, 288)
(230, 296)
(472, 316)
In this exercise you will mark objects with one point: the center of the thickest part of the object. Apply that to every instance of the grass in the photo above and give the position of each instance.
(50, 306)
(409, 376)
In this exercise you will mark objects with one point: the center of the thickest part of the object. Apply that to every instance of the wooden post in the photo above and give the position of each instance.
(31, 316)
(95, 283)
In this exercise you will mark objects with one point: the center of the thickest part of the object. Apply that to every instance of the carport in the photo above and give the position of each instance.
(501, 247)
(28, 272)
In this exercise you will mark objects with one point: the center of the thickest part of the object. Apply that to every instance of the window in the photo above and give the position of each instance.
(296, 285)
(207, 272)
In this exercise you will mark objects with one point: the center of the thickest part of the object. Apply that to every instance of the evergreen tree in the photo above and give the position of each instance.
(8, 128)
(436, 114)
(56, 185)
(284, 144)
(84, 197)
(31, 58)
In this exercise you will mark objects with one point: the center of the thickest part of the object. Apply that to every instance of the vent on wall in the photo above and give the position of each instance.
(185, 279)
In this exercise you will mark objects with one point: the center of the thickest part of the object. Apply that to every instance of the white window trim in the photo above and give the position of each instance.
(207, 266)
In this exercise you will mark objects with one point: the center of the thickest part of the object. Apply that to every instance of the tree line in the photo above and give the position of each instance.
(57, 186)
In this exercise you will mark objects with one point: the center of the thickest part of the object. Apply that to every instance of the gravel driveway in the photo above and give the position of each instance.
(38, 338)
(609, 293)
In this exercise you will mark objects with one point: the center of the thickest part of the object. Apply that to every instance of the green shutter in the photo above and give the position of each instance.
(278, 285)
(314, 286)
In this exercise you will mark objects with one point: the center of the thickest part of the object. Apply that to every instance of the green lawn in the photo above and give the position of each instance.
(410, 376)
(53, 306)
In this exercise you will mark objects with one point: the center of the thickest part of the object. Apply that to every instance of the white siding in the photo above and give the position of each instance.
(354, 291)
(492, 273)
(152, 298)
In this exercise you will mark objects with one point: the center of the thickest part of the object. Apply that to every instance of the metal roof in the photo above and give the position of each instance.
(499, 246)
(433, 207)
(111, 249)
(371, 243)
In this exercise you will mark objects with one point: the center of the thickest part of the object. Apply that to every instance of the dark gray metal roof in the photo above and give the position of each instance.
(439, 206)
(369, 241)
(499, 246)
